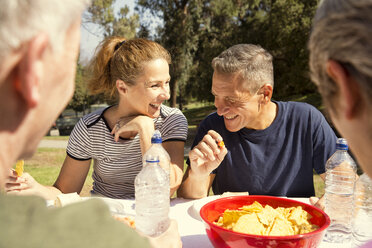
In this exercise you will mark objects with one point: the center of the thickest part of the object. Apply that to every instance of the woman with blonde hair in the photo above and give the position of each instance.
(135, 73)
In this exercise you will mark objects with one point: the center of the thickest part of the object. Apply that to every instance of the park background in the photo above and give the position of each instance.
(194, 32)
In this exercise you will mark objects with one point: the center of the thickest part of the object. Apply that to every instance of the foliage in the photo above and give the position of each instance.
(179, 35)
(80, 100)
(196, 31)
(101, 12)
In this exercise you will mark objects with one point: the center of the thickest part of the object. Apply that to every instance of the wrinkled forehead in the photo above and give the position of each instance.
(229, 84)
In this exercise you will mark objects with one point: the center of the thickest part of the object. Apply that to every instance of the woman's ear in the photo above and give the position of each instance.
(349, 94)
(31, 69)
(121, 86)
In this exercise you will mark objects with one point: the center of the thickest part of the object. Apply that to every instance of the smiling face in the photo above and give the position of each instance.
(151, 89)
(239, 108)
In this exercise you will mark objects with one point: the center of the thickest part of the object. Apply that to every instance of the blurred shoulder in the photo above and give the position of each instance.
(167, 111)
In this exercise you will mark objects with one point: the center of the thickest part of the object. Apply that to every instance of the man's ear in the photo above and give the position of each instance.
(348, 88)
(27, 83)
(121, 86)
(267, 92)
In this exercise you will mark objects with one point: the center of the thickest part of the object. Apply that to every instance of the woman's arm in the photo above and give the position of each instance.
(72, 175)
(175, 150)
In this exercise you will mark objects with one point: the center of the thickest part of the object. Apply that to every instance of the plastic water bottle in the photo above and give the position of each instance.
(157, 148)
(339, 194)
(152, 198)
(362, 224)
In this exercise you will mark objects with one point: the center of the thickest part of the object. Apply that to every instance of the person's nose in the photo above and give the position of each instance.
(221, 106)
(165, 94)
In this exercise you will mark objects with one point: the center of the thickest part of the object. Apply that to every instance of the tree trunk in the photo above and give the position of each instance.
(173, 94)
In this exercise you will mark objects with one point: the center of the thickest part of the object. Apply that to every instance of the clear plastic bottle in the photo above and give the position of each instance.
(158, 149)
(152, 198)
(339, 194)
(362, 224)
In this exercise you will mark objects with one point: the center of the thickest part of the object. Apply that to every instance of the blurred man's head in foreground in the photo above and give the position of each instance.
(341, 66)
(39, 43)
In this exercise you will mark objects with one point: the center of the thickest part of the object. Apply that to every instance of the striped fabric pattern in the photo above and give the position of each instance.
(116, 164)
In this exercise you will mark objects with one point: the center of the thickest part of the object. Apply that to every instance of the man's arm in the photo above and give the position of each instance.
(315, 200)
(194, 186)
(204, 158)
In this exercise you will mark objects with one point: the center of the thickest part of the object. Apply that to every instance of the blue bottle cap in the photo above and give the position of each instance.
(341, 144)
(156, 137)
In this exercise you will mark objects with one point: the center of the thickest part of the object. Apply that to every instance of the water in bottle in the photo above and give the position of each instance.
(362, 224)
(152, 198)
(158, 149)
(339, 194)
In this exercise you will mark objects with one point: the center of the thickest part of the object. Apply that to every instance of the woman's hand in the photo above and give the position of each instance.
(23, 185)
(129, 127)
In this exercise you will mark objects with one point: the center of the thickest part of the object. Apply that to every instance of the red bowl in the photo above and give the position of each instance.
(221, 237)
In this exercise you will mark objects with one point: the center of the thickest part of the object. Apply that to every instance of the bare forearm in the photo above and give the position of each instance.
(175, 178)
(49, 192)
(194, 186)
(145, 139)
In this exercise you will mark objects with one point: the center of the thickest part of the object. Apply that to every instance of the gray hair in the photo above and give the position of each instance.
(253, 62)
(342, 31)
(21, 20)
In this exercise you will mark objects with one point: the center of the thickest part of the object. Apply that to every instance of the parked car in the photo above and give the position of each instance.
(66, 124)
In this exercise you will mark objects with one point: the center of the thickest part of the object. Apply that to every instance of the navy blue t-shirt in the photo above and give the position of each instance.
(278, 160)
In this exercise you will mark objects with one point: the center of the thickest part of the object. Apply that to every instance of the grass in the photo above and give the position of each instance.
(56, 137)
(45, 165)
(195, 115)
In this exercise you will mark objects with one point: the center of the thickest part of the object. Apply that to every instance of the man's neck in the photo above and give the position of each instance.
(268, 115)
(7, 156)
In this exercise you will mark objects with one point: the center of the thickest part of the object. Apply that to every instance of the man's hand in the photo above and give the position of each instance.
(207, 155)
(317, 202)
(169, 239)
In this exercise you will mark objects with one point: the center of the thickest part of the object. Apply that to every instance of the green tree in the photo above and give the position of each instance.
(179, 35)
(102, 12)
(280, 26)
(80, 100)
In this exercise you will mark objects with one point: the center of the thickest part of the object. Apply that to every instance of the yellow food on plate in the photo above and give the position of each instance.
(19, 167)
(269, 221)
(126, 219)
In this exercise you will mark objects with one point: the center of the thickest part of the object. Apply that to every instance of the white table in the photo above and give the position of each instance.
(191, 227)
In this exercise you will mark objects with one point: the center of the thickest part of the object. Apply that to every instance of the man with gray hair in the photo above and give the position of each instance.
(272, 147)
(39, 44)
(341, 66)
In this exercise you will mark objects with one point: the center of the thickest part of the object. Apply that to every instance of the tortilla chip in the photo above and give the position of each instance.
(230, 217)
(267, 215)
(19, 167)
(281, 227)
(255, 207)
(250, 224)
(298, 216)
(259, 220)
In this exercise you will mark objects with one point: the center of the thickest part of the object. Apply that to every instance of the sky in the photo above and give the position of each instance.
(89, 41)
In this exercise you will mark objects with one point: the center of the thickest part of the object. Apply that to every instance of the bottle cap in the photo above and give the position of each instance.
(156, 137)
(341, 144)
